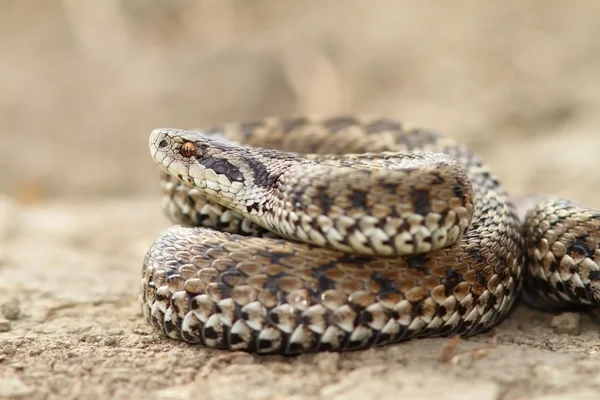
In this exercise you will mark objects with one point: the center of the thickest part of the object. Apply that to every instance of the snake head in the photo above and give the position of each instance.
(198, 160)
(227, 173)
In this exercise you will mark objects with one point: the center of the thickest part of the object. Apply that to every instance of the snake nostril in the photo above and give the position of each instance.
(163, 144)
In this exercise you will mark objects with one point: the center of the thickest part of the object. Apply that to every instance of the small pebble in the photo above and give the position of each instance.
(36, 351)
(11, 309)
(4, 325)
(110, 341)
(566, 323)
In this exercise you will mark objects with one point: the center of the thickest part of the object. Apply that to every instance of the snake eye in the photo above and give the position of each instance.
(188, 149)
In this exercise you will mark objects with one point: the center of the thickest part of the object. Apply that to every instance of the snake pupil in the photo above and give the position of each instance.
(188, 149)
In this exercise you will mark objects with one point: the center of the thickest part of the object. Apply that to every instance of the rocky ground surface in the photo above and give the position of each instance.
(71, 327)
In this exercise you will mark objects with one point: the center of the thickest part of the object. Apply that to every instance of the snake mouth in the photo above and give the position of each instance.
(186, 179)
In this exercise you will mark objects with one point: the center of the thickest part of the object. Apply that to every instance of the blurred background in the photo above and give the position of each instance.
(82, 84)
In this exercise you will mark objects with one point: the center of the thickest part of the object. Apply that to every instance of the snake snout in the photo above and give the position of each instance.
(160, 140)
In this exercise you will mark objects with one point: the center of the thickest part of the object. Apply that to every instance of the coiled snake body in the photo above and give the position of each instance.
(298, 235)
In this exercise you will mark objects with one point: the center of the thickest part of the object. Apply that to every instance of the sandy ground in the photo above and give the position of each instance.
(517, 81)
(77, 332)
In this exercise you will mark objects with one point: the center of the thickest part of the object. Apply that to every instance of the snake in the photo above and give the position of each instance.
(307, 234)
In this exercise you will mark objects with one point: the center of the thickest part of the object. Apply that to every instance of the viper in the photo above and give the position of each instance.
(301, 234)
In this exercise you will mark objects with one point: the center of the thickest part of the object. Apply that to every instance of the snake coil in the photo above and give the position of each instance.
(299, 235)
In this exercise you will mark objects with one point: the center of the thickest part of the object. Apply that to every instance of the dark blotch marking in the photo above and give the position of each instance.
(359, 344)
(363, 318)
(296, 196)
(234, 339)
(305, 320)
(474, 252)
(452, 279)
(265, 344)
(324, 283)
(326, 346)
(358, 198)
(458, 191)
(560, 287)
(417, 309)
(291, 124)
(190, 338)
(580, 246)
(418, 262)
(421, 201)
(382, 125)
(170, 326)
(176, 308)
(441, 311)
(554, 266)
(262, 177)
(161, 297)
(580, 293)
(202, 147)
(322, 199)
(210, 333)
(274, 318)
(223, 167)
(386, 286)
(382, 338)
(594, 275)
(339, 123)
(294, 348)
(253, 206)
(438, 179)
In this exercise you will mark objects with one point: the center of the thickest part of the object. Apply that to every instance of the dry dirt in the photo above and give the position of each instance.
(83, 83)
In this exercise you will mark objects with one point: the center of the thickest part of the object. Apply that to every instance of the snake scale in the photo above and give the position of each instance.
(339, 233)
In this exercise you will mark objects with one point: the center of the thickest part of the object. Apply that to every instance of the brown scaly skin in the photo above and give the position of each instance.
(563, 257)
(363, 286)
